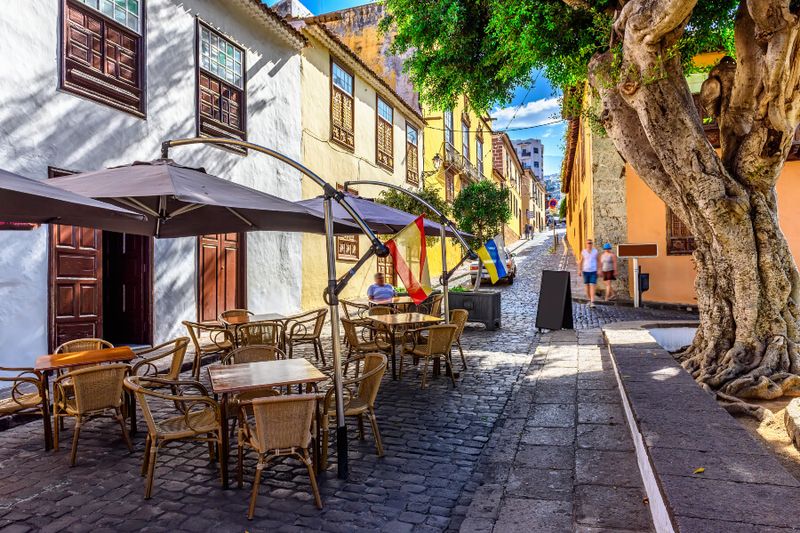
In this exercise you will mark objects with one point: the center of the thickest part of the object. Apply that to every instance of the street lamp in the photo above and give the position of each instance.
(437, 163)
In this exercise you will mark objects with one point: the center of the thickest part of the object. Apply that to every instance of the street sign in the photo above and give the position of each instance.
(553, 203)
(530, 213)
(637, 250)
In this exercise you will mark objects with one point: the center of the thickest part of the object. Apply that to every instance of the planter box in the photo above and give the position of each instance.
(483, 306)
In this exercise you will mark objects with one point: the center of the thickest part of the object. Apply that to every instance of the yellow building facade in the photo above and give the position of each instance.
(355, 127)
(507, 171)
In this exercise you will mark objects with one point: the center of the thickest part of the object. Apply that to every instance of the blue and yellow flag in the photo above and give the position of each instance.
(492, 255)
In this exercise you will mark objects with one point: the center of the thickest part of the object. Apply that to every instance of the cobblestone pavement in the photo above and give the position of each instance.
(435, 439)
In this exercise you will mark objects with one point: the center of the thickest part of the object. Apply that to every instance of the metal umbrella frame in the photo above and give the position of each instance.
(444, 223)
(335, 286)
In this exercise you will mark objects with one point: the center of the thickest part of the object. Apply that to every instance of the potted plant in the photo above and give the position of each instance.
(481, 209)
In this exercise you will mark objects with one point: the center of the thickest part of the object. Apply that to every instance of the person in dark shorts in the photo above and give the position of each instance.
(589, 268)
(608, 266)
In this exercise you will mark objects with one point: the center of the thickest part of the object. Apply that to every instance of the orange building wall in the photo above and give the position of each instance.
(672, 277)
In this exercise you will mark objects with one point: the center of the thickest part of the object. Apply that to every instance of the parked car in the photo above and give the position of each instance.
(511, 269)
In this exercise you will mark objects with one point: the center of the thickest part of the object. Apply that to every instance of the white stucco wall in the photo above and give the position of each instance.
(41, 126)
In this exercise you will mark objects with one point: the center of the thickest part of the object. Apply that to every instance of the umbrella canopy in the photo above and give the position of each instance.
(380, 218)
(181, 201)
(36, 201)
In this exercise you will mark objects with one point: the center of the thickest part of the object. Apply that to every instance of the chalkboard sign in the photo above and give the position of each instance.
(555, 301)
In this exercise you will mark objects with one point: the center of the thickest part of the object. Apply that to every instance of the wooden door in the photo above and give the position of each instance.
(127, 288)
(75, 284)
(220, 274)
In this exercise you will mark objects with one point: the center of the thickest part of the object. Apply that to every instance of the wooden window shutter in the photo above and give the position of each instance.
(102, 60)
(385, 144)
(680, 240)
(346, 245)
(342, 128)
(412, 164)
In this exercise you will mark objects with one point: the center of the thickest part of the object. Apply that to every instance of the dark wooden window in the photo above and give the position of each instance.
(412, 155)
(384, 133)
(386, 267)
(347, 245)
(342, 106)
(221, 87)
(680, 240)
(479, 157)
(102, 52)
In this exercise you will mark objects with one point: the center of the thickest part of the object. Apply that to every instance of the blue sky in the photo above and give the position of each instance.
(529, 107)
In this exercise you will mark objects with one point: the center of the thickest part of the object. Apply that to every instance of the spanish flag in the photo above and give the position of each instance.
(407, 249)
(489, 254)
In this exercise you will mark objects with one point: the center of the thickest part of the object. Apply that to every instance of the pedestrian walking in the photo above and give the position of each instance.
(608, 266)
(588, 267)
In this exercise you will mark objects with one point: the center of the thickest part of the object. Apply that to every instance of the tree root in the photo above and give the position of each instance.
(736, 406)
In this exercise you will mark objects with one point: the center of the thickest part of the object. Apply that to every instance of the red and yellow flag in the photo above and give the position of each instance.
(407, 249)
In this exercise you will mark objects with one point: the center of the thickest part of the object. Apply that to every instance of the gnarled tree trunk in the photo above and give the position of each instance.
(747, 283)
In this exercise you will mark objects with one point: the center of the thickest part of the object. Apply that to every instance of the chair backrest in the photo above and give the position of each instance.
(436, 305)
(98, 387)
(284, 421)
(307, 324)
(253, 353)
(378, 310)
(266, 332)
(458, 317)
(82, 345)
(234, 313)
(216, 334)
(370, 379)
(174, 349)
(148, 396)
(353, 310)
(350, 332)
(440, 339)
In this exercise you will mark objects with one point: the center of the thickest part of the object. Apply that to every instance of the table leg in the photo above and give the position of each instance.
(437, 366)
(225, 441)
(48, 426)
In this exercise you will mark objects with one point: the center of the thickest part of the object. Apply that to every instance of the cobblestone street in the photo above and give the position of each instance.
(441, 449)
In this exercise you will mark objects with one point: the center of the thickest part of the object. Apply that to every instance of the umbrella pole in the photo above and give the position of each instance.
(333, 305)
(445, 277)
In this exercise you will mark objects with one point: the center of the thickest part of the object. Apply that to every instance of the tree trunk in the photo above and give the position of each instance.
(747, 283)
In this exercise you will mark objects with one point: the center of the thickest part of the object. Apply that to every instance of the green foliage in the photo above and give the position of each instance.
(404, 202)
(481, 209)
(458, 288)
(486, 48)
(562, 208)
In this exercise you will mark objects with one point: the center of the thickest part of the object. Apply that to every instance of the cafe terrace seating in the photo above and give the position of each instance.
(208, 340)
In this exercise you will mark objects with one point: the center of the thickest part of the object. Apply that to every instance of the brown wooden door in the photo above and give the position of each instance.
(220, 274)
(75, 284)
(127, 288)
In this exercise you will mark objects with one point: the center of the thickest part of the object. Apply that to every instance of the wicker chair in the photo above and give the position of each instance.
(208, 340)
(97, 391)
(360, 394)
(282, 427)
(26, 392)
(357, 345)
(379, 310)
(354, 311)
(306, 329)
(197, 419)
(233, 313)
(458, 317)
(175, 350)
(250, 354)
(439, 343)
(267, 332)
(82, 345)
(432, 305)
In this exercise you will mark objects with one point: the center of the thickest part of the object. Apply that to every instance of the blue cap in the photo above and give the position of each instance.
(607, 246)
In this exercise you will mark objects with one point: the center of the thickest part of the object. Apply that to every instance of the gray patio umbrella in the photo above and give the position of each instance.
(182, 201)
(380, 218)
(36, 201)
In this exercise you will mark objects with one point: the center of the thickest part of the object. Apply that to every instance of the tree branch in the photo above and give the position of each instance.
(649, 21)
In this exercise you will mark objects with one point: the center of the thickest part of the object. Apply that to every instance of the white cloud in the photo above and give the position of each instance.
(533, 113)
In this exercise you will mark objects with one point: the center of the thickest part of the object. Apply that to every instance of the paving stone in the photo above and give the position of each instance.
(552, 415)
(540, 483)
(524, 515)
(547, 435)
(600, 413)
(604, 467)
(555, 457)
(604, 437)
(611, 507)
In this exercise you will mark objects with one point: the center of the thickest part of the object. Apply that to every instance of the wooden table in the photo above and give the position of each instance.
(49, 363)
(247, 319)
(392, 322)
(230, 379)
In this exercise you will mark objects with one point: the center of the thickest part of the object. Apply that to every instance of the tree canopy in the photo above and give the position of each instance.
(429, 193)
(481, 209)
(486, 48)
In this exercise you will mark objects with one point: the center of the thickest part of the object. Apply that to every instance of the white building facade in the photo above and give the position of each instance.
(531, 155)
(89, 84)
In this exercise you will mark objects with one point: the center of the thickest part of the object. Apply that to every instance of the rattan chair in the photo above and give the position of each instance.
(25, 396)
(432, 305)
(281, 427)
(306, 329)
(458, 317)
(175, 350)
(355, 342)
(355, 311)
(438, 343)
(233, 313)
(208, 340)
(82, 345)
(379, 310)
(97, 393)
(266, 332)
(250, 354)
(360, 394)
(196, 418)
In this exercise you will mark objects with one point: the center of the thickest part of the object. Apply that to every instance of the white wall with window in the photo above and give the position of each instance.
(50, 118)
